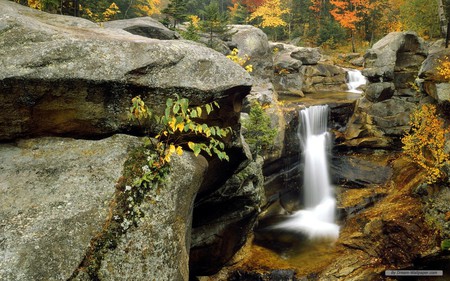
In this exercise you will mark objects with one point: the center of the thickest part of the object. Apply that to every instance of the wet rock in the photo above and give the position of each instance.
(79, 78)
(377, 92)
(360, 169)
(224, 216)
(275, 275)
(144, 26)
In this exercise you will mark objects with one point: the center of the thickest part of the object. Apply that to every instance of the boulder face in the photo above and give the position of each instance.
(56, 197)
(68, 76)
(298, 70)
(252, 41)
(381, 116)
(144, 26)
(432, 82)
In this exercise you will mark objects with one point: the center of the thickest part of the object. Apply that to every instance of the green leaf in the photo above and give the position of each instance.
(199, 111)
(208, 109)
(176, 108)
(169, 102)
(197, 149)
(194, 113)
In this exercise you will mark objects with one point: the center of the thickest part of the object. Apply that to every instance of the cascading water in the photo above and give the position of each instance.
(317, 220)
(355, 80)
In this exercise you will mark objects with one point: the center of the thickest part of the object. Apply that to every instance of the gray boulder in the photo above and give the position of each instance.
(252, 41)
(431, 81)
(144, 26)
(67, 76)
(308, 56)
(54, 199)
(58, 195)
(381, 116)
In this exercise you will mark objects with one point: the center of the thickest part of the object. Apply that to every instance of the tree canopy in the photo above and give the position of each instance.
(328, 23)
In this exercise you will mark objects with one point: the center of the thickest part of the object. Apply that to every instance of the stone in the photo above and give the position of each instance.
(158, 249)
(432, 82)
(282, 58)
(144, 26)
(67, 76)
(55, 195)
(55, 207)
(223, 218)
(382, 115)
(252, 41)
(323, 77)
(308, 56)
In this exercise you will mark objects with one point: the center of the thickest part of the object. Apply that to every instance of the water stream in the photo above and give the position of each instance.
(355, 80)
(316, 221)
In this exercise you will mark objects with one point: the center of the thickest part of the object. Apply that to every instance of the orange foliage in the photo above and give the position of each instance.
(350, 12)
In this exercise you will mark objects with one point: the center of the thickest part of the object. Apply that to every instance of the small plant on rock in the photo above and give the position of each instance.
(178, 131)
(425, 142)
(259, 134)
(234, 56)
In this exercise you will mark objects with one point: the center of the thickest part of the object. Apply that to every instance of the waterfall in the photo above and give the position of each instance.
(317, 220)
(355, 79)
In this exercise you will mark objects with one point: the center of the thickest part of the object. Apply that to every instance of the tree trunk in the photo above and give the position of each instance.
(447, 36)
(442, 18)
(353, 41)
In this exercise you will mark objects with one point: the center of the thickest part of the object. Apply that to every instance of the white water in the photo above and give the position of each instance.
(317, 220)
(355, 80)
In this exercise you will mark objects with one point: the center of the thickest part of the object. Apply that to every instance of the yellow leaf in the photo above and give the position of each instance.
(179, 150)
(180, 127)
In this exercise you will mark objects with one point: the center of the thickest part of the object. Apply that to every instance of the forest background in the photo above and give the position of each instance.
(345, 25)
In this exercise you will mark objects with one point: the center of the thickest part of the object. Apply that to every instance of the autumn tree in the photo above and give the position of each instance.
(350, 13)
(147, 7)
(421, 16)
(425, 142)
(270, 13)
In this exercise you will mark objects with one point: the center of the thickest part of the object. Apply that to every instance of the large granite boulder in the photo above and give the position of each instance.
(381, 116)
(433, 83)
(144, 26)
(68, 76)
(57, 196)
(252, 41)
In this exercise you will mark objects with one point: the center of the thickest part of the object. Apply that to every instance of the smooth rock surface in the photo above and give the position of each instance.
(54, 198)
(67, 76)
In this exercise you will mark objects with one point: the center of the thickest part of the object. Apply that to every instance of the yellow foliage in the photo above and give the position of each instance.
(148, 7)
(112, 11)
(425, 143)
(194, 20)
(270, 12)
(35, 4)
(234, 56)
(444, 68)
